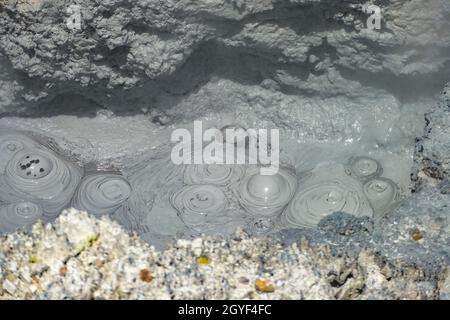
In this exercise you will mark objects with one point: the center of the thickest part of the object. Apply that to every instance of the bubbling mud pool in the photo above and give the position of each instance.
(161, 201)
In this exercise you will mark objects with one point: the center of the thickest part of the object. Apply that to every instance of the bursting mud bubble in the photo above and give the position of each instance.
(345, 103)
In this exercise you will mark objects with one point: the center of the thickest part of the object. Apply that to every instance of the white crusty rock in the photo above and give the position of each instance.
(81, 257)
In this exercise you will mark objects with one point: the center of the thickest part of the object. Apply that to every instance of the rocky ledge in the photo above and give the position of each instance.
(80, 257)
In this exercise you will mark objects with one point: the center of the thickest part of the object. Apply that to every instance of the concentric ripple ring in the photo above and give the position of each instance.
(40, 176)
(10, 144)
(365, 168)
(312, 204)
(221, 175)
(15, 216)
(325, 190)
(199, 204)
(382, 193)
(101, 194)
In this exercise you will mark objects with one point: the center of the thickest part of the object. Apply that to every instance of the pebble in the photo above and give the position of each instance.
(264, 286)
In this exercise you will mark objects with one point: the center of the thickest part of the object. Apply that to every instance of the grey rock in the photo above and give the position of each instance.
(346, 225)
(155, 49)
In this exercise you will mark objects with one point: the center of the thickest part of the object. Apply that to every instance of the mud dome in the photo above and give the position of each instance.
(87, 114)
